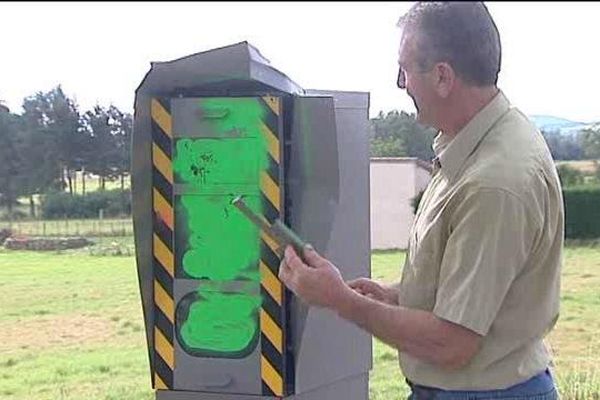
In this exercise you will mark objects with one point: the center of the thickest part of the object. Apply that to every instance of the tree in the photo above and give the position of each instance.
(55, 118)
(110, 132)
(590, 141)
(98, 157)
(11, 167)
(123, 132)
(399, 134)
(563, 146)
(40, 171)
(387, 147)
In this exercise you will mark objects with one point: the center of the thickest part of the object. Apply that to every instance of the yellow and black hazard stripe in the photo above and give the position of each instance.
(163, 244)
(272, 314)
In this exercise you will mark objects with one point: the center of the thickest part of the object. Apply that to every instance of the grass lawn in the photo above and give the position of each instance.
(71, 327)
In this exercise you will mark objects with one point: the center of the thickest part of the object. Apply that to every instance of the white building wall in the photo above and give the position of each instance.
(394, 183)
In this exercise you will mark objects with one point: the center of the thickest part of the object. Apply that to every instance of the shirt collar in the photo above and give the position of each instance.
(452, 153)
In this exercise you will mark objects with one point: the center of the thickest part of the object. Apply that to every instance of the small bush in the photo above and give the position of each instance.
(16, 215)
(115, 203)
(416, 200)
(582, 211)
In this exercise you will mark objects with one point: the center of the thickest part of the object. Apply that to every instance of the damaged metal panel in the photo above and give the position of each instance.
(320, 148)
(329, 181)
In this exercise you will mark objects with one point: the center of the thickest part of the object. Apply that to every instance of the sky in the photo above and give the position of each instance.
(99, 52)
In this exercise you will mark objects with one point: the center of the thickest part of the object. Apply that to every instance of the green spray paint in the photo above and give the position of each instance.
(237, 150)
(222, 245)
(221, 322)
(202, 162)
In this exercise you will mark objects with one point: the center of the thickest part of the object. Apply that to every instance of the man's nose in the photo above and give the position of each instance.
(401, 80)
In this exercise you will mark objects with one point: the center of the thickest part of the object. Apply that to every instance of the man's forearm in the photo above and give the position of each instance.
(418, 333)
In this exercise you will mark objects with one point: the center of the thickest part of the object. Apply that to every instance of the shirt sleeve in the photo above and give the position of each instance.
(490, 237)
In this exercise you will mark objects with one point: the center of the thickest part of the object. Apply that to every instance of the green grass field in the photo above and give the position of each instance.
(71, 327)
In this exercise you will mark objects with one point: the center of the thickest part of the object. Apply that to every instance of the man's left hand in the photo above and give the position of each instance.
(318, 282)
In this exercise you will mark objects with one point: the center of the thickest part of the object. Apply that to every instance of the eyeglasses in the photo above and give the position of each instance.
(401, 80)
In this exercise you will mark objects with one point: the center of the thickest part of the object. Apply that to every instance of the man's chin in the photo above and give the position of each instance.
(421, 119)
(424, 121)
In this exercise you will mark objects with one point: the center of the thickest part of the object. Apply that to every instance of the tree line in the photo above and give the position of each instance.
(398, 134)
(42, 147)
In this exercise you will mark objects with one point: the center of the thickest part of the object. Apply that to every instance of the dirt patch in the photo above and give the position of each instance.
(41, 243)
(54, 331)
(584, 166)
(4, 234)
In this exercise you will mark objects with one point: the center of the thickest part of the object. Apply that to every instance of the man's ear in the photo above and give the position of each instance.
(445, 79)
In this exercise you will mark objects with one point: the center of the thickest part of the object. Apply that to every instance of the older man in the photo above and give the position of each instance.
(480, 286)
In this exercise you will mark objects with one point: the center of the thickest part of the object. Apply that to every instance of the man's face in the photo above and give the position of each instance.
(418, 83)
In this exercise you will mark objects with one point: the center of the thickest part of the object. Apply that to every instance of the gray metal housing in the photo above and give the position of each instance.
(326, 168)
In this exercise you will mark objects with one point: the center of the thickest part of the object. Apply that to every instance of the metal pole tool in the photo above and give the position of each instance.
(278, 231)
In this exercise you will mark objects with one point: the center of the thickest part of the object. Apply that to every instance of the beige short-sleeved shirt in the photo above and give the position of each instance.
(485, 251)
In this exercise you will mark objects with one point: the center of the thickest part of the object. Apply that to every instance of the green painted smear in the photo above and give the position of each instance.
(235, 154)
(222, 245)
(221, 322)
(201, 162)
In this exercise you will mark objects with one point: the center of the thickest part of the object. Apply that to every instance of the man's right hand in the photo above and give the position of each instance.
(386, 293)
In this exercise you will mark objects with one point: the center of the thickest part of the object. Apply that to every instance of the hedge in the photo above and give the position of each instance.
(582, 208)
(114, 203)
(582, 212)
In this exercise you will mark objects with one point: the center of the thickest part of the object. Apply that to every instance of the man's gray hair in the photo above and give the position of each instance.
(463, 34)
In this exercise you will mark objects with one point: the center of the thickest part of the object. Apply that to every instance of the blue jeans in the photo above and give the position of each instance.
(540, 387)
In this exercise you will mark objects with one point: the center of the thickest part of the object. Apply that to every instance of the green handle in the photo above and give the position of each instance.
(288, 236)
